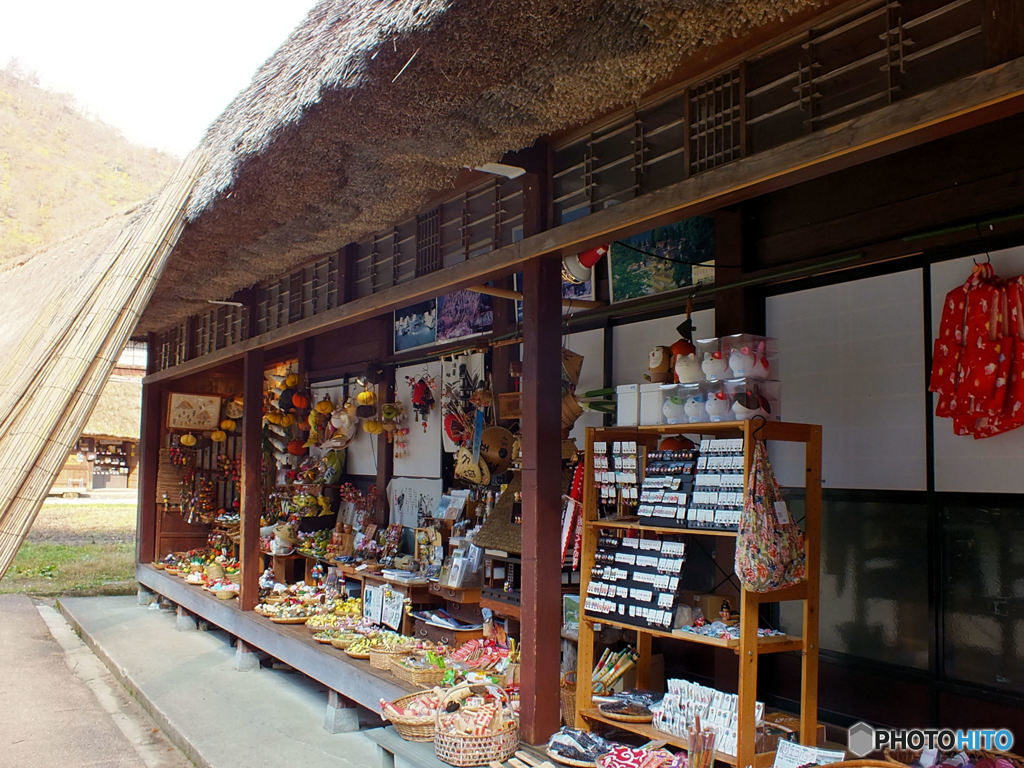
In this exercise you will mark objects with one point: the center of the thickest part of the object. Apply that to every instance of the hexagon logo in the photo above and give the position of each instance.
(861, 739)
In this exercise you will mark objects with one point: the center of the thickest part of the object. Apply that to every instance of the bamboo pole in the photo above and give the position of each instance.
(45, 405)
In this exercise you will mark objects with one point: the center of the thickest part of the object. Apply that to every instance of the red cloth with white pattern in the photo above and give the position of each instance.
(978, 357)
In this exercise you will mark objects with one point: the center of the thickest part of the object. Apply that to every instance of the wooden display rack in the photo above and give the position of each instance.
(748, 647)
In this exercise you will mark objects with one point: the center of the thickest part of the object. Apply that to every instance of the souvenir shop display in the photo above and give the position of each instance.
(652, 493)
(731, 378)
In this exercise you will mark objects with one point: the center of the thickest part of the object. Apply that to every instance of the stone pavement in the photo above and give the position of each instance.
(220, 717)
(61, 707)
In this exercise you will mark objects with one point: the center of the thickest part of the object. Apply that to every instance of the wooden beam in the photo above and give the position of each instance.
(252, 461)
(507, 293)
(965, 103)
(542, 493)
(149, 462)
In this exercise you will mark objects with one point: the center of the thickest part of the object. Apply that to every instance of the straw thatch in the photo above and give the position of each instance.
(69, 335)
(118, 410)
(370, 106)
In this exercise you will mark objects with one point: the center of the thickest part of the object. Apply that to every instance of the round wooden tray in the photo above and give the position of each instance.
(363, 656)
(568, 761)
(626, 718)
(288, 619)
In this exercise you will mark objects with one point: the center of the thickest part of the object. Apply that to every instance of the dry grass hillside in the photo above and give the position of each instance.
(60, 171)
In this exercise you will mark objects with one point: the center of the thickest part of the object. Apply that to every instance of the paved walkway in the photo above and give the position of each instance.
(61, 707)
(220, 717)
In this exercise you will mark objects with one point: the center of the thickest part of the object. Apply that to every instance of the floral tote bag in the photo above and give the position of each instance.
(770, 545)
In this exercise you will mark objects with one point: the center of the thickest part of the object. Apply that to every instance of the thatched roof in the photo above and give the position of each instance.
(333, 140)
(118, 411)
(37, 282)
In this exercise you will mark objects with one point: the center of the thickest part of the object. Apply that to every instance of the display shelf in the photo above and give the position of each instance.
(748, 647)
(633, 524)
(761, 759)
(776, 644)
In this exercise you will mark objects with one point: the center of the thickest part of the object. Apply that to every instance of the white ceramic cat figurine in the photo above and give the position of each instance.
(688, 369)
(742, 362)
(694, 408)
(717, 406)
(761, 368)
(673, 410)
(714, 367)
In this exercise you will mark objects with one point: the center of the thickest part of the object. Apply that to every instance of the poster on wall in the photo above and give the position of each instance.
(660, 259)
(413, 499)
(418, 389)
(463, 313)
(416, 326)
(461, 376)
(584, 291)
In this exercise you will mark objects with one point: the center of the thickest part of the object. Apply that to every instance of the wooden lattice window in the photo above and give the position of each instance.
(428, 243)
(716, 132)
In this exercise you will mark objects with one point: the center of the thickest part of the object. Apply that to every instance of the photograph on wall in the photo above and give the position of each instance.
(463, 313)
(660, 259)
(416, 326)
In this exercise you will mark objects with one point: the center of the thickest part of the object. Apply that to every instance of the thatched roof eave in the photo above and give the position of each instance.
(372, 106)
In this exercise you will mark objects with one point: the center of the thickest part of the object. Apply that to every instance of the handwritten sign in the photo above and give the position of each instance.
(392, 609)
(373, 603)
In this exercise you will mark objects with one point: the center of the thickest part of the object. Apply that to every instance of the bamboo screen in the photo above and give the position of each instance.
(51, 382)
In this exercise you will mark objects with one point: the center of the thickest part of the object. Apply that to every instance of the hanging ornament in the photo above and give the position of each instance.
(422, 396)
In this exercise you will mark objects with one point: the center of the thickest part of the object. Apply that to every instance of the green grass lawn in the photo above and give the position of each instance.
(81, 547)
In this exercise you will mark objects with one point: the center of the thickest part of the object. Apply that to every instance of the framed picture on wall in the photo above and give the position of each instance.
(463, 313)
(660, 259)
(200, 412)
(416, 326)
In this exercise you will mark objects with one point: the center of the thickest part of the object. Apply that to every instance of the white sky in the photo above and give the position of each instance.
(160, 72)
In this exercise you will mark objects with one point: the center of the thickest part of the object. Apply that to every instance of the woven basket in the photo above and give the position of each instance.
(465, 751)
(380, 658)
(568, 696)
(428, 677)
(413, 728)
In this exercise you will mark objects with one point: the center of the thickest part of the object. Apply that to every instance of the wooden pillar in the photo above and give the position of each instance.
(542, 493)
(738, 310)
(252, 459)
(149, 462)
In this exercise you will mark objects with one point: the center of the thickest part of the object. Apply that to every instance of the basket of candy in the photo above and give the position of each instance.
(475, 725)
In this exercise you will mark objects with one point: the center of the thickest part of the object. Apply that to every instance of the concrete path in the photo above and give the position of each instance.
(220, 718)
(60, 707)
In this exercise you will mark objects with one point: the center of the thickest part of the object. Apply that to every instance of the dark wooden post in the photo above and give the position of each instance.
(149, 462)
(737, 310)
(252, 459)
(542, 495)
